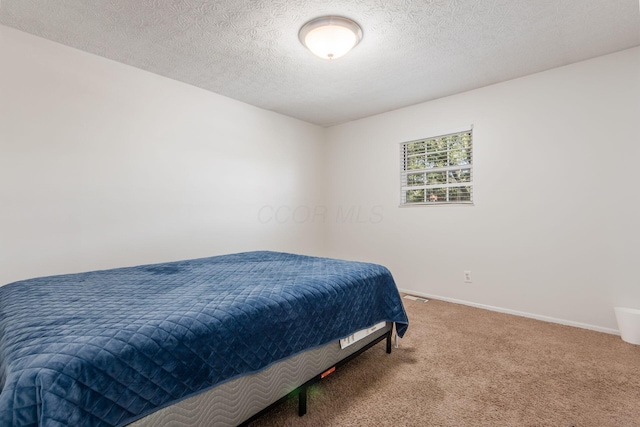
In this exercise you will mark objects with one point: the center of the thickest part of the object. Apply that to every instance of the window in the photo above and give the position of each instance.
(437, 170)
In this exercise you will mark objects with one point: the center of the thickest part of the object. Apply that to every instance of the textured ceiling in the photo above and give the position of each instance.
(412, 51)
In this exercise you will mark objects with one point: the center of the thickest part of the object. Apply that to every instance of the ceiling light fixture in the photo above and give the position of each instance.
(330, 37)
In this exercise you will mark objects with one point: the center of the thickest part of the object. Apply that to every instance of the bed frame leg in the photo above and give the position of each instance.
(302, 401)
(389, 342)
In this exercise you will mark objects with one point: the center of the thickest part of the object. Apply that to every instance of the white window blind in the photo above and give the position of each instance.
(437, 170)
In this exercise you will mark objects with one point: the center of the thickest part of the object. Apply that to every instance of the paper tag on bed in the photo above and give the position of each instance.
(346, 342)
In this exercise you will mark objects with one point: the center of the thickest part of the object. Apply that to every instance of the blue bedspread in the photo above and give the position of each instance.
(107, 347)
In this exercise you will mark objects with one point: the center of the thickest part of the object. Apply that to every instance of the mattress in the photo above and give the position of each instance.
(105, 348)
(236, 401)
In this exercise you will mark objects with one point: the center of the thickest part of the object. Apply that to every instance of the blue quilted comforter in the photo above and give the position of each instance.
(104, 348)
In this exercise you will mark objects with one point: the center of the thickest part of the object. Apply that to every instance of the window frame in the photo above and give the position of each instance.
(449, 171)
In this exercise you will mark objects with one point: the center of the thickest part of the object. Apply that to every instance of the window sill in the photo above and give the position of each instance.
(411, 205)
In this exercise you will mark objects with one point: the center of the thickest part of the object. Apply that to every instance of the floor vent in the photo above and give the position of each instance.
(413, 298)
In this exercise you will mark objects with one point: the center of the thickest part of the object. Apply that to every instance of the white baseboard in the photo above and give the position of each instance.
(515, 312)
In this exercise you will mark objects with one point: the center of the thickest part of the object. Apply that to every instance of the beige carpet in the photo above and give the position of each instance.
(462, 366)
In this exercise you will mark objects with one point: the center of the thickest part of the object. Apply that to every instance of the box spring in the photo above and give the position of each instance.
(235, 401)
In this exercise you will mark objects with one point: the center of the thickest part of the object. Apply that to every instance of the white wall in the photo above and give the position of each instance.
(555, 224)
(104, 165)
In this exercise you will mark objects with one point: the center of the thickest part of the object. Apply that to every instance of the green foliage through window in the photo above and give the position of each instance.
(438, 169)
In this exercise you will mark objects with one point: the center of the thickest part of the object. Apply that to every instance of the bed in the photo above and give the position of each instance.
(130, 345)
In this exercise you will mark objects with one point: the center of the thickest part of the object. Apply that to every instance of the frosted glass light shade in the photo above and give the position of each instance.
(330, 37)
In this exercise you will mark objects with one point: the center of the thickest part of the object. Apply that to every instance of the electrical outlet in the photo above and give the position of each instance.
(467, 276)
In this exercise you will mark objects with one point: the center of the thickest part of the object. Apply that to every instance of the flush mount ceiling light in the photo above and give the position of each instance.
(330, 37)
